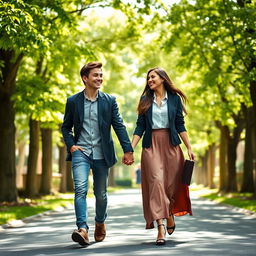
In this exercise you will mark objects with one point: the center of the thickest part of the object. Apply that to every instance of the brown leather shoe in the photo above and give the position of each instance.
(100, 232)
(80, 236)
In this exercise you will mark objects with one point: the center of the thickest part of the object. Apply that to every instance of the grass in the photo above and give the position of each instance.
(27, 207)
(241, 200)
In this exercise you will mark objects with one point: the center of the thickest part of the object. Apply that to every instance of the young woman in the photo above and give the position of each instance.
(161, 121)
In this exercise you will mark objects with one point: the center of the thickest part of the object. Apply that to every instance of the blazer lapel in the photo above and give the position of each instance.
(80, 106)
(149, 114)
(170, 106)
(101, 102)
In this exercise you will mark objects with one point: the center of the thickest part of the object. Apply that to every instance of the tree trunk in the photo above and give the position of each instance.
(211, 165)
(8, 190)
(204, 173)
(70, 186)
(111, 177)
(254, 160)
(20, 165)
(200, 170)
(253, 97)
(197, 171)
(252, 144)
(46, 178)
(62, 168)
(223, 158)
(8, 70)
(231, 159)
(248, 179)
(31, 180)
(232, 147)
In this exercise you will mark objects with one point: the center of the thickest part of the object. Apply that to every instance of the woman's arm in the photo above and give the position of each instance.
(139, 130)
(135, 140)
(185, 139)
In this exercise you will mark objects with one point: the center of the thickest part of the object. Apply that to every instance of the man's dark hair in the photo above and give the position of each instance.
(85, 70)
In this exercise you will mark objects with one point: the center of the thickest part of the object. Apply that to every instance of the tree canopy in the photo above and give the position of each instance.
(207, 48)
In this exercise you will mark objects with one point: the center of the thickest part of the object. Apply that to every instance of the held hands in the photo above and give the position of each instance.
(128, 158)
(75, 148)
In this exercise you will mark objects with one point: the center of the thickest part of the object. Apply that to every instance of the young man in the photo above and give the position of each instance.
(91, 113)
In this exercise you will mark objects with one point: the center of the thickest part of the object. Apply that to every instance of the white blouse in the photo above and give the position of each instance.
(160, 113)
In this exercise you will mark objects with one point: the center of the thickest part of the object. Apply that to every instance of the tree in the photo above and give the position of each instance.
(213, 38)
(24, 30)
(15, 41)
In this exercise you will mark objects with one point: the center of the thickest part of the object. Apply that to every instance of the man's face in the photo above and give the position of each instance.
(94, 79)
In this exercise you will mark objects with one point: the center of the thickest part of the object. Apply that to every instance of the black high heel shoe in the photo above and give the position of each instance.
(172, 228)
(161, 241)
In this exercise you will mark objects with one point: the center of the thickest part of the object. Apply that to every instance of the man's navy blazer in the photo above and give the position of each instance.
(108, 114)
(176, 122)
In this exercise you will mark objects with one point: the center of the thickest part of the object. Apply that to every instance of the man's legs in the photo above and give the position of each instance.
(100, 180)
(80, 169)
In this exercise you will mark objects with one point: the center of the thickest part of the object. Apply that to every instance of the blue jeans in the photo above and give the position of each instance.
(81, 165)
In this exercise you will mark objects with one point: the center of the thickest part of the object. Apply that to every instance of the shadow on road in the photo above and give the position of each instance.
(212, 230)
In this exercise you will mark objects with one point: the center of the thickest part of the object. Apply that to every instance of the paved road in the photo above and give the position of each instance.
(213, 230)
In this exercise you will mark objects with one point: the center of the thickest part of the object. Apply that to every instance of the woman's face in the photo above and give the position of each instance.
(154, 81)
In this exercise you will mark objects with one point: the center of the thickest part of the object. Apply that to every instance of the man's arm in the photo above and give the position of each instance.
(67, 125)
(120, 130)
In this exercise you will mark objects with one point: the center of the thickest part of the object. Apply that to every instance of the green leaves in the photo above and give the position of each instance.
(208, 44)
(17, 27)
(213, 40)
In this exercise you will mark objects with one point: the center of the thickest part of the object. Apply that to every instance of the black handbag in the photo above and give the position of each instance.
(187, 172)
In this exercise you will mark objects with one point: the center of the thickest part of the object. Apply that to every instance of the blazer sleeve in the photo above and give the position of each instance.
(140, 125)
(67, 125)
(120, 129)
(179, 119)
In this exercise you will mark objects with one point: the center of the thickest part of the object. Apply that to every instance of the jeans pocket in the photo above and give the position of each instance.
(74, 151)
(77, 157)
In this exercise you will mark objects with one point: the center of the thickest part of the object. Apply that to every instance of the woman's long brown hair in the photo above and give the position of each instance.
(148, 94)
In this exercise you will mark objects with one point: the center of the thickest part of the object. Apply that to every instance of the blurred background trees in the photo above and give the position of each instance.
(207, 47)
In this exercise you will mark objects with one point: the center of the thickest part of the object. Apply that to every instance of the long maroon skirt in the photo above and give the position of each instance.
(163, 193)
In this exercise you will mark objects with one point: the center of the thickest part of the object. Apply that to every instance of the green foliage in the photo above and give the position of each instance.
(124, 182)
(213, 39)
(22, 128)
(32, 207)
(112, 42)
(52, 73)
(213, 43)
(34, 97)
(27, 207)
(241, 200)
(18, 28)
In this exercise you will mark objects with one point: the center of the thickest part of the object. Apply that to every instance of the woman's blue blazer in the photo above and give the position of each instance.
(176, 122)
